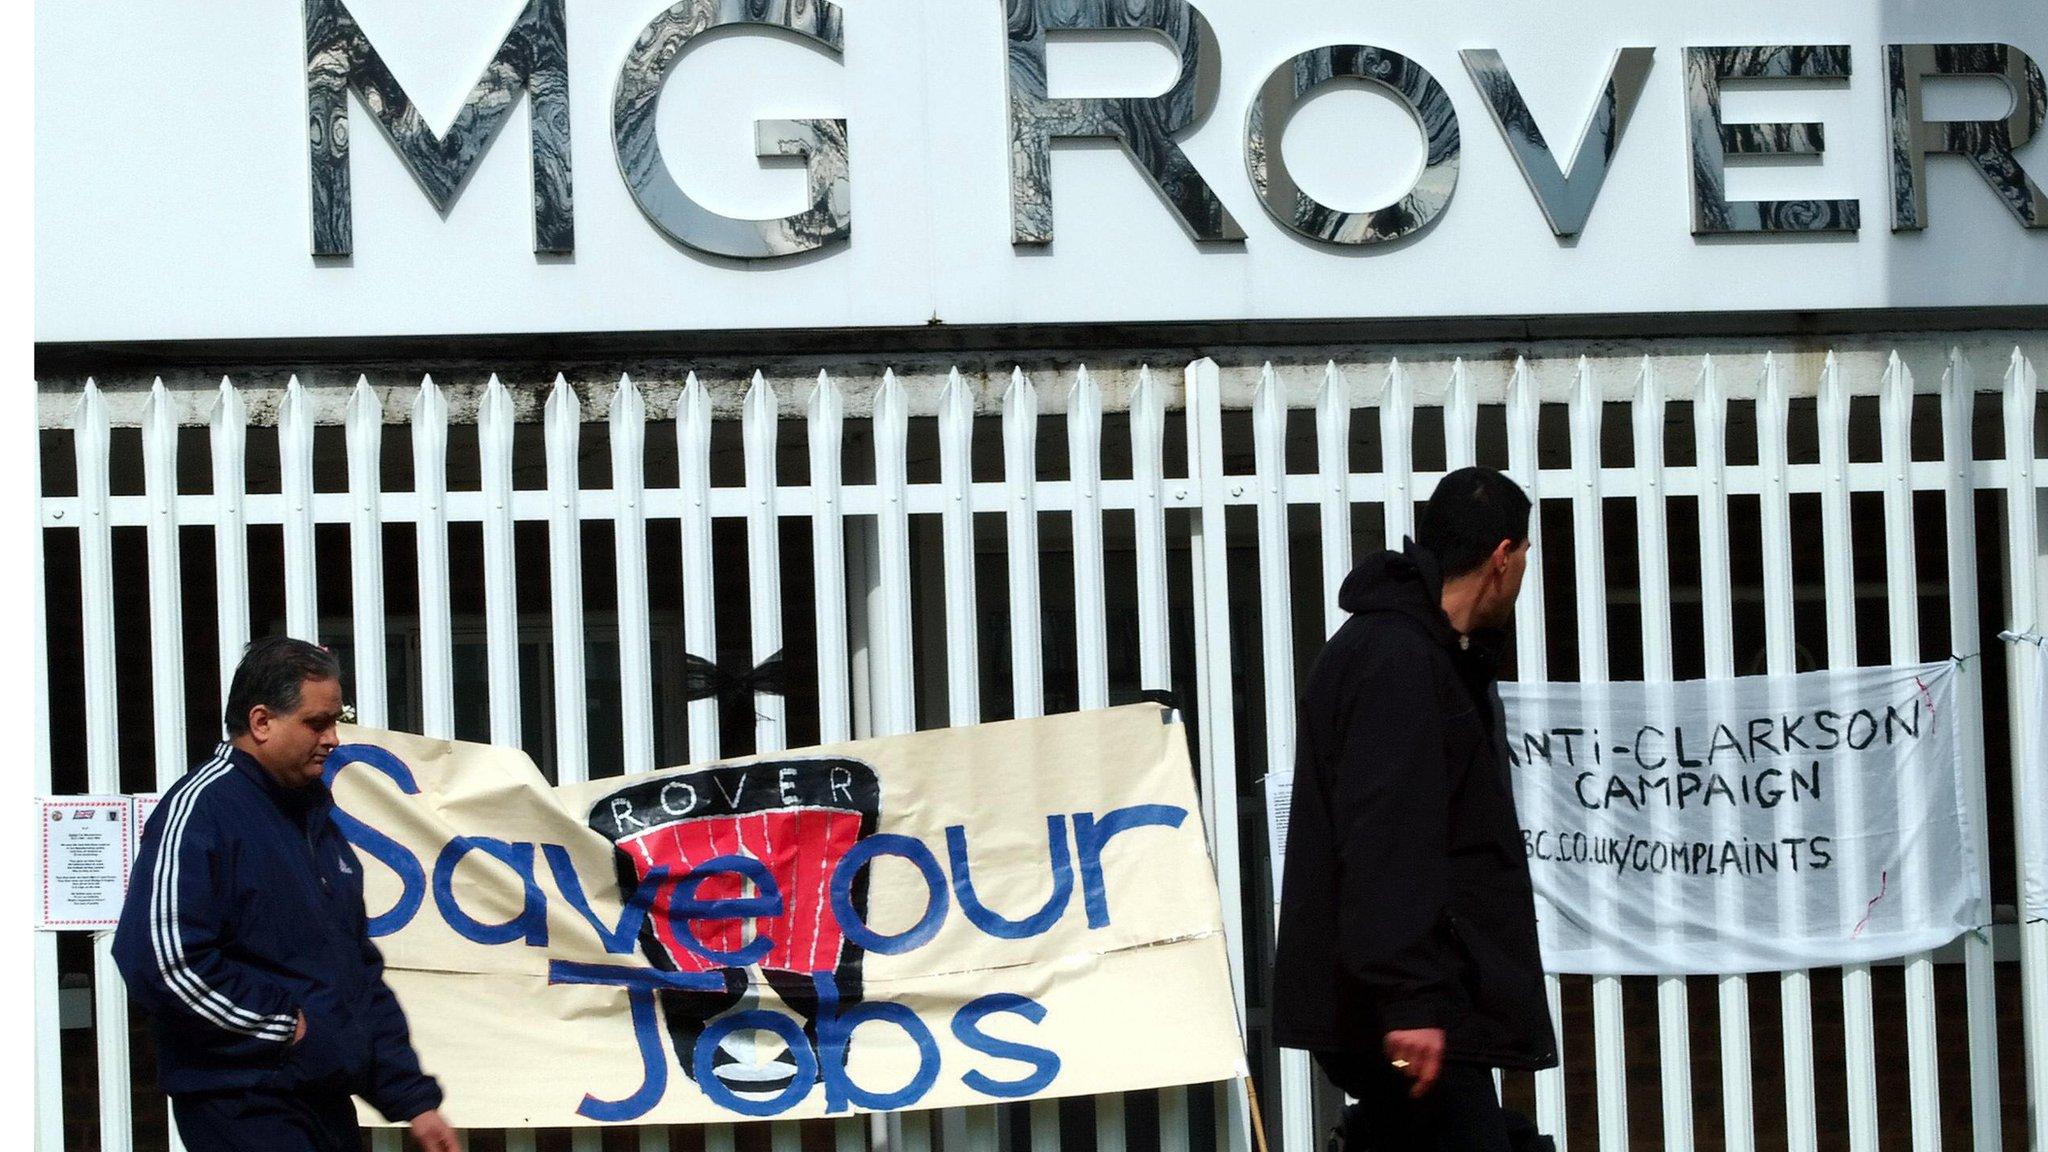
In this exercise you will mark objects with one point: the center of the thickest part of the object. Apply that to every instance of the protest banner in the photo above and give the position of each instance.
(961, 916)
(1753, 824)
(2030, 650)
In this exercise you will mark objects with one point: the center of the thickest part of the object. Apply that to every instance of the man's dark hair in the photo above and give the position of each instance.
(1469, 514)
(270, 674)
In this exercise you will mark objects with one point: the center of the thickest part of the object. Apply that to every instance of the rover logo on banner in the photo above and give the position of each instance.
(954, 917)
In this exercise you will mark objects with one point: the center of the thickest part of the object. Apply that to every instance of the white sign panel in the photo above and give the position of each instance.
(954, 162)
(1279, 806)
(85, 858)
(1755, 824)
(2032, 650)
(1746, 825)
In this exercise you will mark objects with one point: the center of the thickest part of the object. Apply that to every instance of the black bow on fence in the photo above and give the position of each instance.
(704, 679)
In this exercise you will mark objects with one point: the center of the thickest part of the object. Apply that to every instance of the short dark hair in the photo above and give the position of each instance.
(271, 671)
(1469, 514)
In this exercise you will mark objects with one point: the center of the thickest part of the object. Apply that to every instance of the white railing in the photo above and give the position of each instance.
(869, 676)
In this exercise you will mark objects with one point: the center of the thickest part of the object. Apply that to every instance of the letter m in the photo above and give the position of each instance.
(533, 57)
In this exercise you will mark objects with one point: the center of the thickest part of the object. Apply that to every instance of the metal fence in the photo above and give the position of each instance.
(1200, 556)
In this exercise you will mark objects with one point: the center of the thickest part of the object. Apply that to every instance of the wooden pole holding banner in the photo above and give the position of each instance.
(1251, 1093)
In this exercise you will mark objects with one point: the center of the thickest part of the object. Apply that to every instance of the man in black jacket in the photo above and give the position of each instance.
(1407, 958)
(243, 935)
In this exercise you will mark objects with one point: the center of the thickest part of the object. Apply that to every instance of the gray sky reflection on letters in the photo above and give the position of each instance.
(533, 57)
(1292, 83)
(1145, 127)
(1712, 142)
(1566, 200)
(821, 143)
(1987, 145)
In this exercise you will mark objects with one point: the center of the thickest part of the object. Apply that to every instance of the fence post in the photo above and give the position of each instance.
(626, 424)
(977, 1128)
(301, 565)
(1027, 662)
(1155, 664)
(1532, 663)
(563, 431)
(1653, 546)
(430, 483)
(2023, 551)
(764, 572)
(700, 630)
(1859, 1025)
(1208, 548)
(49, 1066)
(700, 617)
(1781, 659)
(1958, 403)
(1902, 581)
(166, 613)
(824, 420)
(229, 437)
(1589, 569)
(956, 523)
(365, 441)
(1397, 454)
(1717, 600)
(1276, 627)
(1333, 483)
(501, 601)
(102, 747)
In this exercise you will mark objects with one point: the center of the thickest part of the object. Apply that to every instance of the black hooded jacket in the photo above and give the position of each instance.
(1406, 900)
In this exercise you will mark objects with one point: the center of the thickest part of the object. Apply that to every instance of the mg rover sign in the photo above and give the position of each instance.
(366, 166)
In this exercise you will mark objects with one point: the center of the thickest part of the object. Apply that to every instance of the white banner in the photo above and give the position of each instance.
(2033, 769)
(1745, 825)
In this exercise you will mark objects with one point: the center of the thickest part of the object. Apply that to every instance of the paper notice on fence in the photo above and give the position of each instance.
(955, 917)
(2033, 769)
(1279, 805)
(1740, 825)
(85, 858)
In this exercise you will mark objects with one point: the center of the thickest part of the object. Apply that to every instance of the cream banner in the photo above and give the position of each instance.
(955, 917)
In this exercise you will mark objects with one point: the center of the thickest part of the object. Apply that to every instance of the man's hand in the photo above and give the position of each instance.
(433, 1133)
(298, 1030)
(1417, 1053)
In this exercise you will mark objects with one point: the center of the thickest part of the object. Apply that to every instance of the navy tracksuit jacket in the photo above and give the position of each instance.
(246, 908)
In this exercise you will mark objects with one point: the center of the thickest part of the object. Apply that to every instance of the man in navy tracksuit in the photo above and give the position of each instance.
(244, 936)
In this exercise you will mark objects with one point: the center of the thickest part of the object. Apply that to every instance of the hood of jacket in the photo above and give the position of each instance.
(1409, 582)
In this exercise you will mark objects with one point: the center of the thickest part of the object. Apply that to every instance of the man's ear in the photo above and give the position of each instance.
(1501, 552)
(259, 722)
